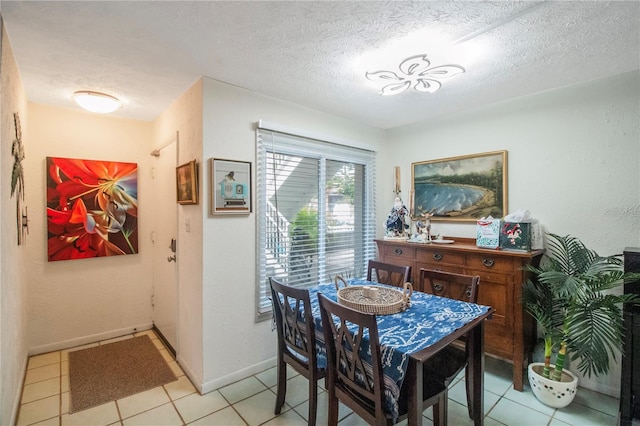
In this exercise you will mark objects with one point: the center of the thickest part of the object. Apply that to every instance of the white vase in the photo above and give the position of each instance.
(550, 392)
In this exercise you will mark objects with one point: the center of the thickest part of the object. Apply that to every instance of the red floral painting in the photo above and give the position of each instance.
(92, 208)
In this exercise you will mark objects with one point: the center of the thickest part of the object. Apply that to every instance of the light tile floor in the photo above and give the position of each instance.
(45, 401)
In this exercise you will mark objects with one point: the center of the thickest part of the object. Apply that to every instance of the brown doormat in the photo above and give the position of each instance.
(108, 372)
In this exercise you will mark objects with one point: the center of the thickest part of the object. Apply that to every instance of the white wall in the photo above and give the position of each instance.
(573, 161)
(184, 116)
(78, 301)
(13, 325)
(234, 344)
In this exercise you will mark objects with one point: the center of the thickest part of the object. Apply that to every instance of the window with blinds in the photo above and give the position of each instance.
(315, 208)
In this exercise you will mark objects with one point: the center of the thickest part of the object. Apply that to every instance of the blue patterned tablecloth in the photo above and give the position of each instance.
(426, 321)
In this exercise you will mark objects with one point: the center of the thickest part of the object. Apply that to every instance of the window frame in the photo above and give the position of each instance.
(275, 140)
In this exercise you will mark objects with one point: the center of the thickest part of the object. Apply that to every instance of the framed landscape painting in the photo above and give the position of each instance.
(464, 188)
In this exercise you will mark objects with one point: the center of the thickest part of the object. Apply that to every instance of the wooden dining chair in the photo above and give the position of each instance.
(387, 273)
(349, 379)
(296, 342)
(450, 361)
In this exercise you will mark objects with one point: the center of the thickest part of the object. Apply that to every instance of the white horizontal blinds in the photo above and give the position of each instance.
(344, 219)
(295, 202)
(315, 211)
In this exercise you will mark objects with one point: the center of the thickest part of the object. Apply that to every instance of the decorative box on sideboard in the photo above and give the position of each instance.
(511, 333)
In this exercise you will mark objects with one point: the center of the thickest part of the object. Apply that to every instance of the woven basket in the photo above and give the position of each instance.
(374, 299)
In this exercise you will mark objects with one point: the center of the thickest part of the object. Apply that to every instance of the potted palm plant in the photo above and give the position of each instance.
(570, 300)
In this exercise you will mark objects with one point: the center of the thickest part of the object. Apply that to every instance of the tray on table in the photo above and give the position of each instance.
(374, 299)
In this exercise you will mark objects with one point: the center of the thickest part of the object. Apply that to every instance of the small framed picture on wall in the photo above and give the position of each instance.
(187, 183)
(230, 187)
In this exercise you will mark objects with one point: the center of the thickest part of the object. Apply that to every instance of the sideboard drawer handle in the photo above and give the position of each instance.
(437, 256)
(398, 251)
(438, 287)
(488, 262)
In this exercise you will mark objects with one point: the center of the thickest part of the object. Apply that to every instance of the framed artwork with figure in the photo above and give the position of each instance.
(230, 187)
(187, 183)
(465, 188)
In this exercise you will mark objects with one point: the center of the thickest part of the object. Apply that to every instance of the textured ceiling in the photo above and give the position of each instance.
(149, 53)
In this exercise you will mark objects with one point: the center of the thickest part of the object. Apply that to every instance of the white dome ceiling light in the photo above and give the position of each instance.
(96, 101)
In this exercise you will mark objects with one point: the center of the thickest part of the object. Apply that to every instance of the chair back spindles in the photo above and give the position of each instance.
(348, 379)
(296, 342)
(387, 273)
(446, 364)
(355, 373)
(450, 285)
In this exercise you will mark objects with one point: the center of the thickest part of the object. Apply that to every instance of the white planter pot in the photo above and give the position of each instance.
(550, 392)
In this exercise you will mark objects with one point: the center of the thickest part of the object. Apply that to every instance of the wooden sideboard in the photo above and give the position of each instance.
(511, 333)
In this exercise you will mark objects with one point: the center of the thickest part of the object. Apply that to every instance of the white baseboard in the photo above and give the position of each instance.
(599, 387)
(16, 403)
(78, 341)
(235, 376)
(189, 373)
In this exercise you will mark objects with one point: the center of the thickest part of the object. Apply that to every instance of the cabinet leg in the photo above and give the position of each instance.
(518, 376)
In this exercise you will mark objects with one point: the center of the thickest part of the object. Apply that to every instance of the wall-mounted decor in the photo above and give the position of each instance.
(17, 181)
(464, 188)
(230, 186)
(92, 208)
(187, 183)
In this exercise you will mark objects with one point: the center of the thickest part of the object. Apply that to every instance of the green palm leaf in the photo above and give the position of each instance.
(569, 298)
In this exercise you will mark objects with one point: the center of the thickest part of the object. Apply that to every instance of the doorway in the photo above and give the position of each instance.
(164, 239)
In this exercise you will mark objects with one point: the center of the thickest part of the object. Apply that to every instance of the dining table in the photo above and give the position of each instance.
(410, 337)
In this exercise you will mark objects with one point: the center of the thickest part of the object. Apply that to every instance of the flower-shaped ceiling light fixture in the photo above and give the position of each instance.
(416, 72)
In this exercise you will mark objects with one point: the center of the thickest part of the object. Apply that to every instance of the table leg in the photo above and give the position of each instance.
(414, 380)
(475, 378)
